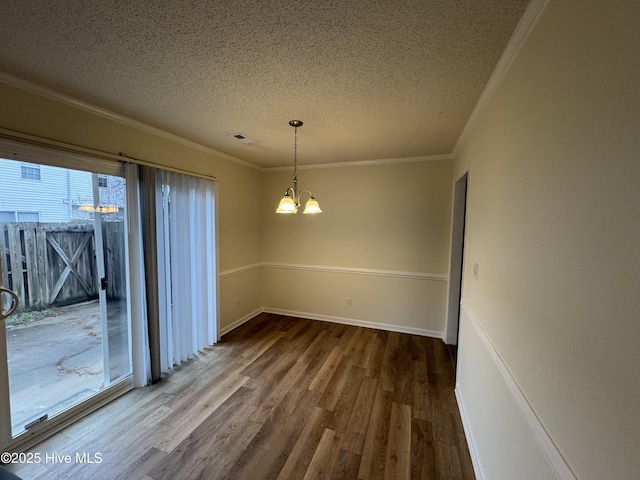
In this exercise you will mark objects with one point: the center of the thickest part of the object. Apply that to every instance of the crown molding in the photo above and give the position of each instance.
(521, 33)
(364, 163)
(51, 94)
(54, 95)
(527, 22)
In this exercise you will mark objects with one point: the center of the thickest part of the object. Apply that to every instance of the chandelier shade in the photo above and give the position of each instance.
(287, 205)
(311, 207)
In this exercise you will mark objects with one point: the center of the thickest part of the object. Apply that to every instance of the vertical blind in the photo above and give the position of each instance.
(137, 280)
(178, 223)
(186, 234)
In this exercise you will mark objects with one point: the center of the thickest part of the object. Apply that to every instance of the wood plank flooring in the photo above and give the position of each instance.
(281, 398)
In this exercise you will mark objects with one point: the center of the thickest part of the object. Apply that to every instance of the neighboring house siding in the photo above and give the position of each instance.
(51, 197)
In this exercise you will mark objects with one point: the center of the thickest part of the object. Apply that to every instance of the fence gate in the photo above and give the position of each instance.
(49, 263)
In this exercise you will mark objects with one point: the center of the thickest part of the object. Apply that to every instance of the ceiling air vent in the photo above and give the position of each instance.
(242, 138)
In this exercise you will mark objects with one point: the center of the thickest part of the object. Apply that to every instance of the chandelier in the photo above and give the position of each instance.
(291, 200)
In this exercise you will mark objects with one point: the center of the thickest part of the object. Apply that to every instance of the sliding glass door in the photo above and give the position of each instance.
(94, 286)
(63, 253)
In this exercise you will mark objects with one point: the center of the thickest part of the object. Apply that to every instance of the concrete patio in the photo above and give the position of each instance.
(57, 361)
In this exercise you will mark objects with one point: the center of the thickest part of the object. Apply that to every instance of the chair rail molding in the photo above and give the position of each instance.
(442, 277)
(548, 447)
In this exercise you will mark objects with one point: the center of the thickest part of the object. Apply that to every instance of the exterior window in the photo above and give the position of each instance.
(28, 217)
(102, 181)
(30, 172)
(7, 216)
(13, 216)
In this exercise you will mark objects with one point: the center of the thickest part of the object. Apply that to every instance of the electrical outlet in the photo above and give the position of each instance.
(476, 270)
(349, 301)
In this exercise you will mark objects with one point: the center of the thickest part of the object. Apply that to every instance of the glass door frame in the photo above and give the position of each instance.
(5, 406)
(16, 150)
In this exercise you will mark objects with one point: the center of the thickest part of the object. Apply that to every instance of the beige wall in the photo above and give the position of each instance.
(239, 187)
(553, 222)
(390, 217)
(390, 220)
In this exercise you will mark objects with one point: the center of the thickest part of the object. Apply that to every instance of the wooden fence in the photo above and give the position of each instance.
(55, 263)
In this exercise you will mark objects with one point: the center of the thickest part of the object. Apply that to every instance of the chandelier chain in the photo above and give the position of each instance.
(295, 153)
(291, 200)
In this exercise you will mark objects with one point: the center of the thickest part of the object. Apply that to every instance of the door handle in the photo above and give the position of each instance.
(15, 302)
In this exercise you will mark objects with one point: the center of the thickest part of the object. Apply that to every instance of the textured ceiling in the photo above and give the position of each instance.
(371, 80)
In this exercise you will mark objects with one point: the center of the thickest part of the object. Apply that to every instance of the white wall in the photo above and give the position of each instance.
(552, 221)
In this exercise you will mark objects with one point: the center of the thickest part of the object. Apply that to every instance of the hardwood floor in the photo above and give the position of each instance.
(281, 398)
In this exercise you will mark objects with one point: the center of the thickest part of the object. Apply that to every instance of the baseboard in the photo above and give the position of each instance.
(540, 434)
(240, 321)
(356, 323)
(473, 450)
